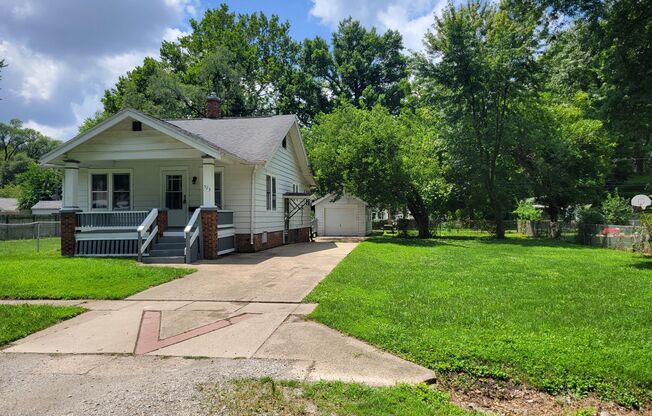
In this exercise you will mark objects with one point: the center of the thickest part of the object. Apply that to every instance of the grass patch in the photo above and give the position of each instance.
(27, 274)
(265, 396)
(18, 321)
(561, 317)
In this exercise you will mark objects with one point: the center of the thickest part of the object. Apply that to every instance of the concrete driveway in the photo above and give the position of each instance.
(244, 306)
(283, 274)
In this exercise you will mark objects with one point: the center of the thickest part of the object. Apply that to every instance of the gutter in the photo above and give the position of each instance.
(253, 197)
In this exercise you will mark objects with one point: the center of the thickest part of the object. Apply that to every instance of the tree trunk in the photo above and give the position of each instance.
(500, 227)
(420, 213)
(553, 212)
(423, 225)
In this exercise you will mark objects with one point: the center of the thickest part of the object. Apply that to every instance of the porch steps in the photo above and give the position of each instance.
(168, 249)
(164, 260)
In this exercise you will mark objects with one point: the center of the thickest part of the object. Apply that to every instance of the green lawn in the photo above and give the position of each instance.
(26, 274)
(263, 397)
(557, 316)
(17, 321)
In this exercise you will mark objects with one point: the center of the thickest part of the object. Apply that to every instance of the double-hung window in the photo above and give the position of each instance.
(121, 192)
(100, 191)
(111, 191)
(270, 192)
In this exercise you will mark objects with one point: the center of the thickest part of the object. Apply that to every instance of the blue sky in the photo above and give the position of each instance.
(63, 54)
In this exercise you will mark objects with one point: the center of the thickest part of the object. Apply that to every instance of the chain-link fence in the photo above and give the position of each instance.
(621, 237)
(29, 230)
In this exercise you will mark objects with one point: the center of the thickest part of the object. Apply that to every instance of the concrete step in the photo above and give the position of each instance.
(168, 239)
(157, 252)
(164, 260)
(168, 246)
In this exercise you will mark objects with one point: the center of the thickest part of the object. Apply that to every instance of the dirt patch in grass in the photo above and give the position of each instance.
(507, 398)
(267, 397)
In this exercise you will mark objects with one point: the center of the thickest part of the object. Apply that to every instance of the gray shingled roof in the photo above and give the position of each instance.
(252, 139)
(8, 204)
(47, 205)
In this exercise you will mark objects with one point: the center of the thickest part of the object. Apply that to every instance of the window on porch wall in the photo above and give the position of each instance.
(100, 191)
(117, 185)
(121, 191)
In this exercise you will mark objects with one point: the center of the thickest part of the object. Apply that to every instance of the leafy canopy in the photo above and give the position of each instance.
(387, 160)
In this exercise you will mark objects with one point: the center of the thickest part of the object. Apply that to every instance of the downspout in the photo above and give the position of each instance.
(253, 198)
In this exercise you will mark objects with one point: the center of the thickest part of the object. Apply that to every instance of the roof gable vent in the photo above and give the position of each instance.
(136, 126)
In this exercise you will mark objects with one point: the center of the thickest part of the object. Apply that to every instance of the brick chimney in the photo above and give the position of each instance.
(213, 104)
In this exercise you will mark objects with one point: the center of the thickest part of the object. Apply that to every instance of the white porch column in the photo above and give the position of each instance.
(208, 182)
(71, 184)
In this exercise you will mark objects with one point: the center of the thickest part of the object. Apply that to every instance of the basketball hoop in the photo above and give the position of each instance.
(641, 201)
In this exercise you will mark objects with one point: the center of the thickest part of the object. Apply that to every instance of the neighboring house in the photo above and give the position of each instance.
(385, 215)
(380, 215)
(346, 216)
(9, 206)
(46, 208)
(209, 186)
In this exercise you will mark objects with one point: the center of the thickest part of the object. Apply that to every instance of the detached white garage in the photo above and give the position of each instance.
(348, 216)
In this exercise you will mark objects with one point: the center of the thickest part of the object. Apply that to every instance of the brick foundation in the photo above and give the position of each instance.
(209, 233)
(274, 239)
(68, 225)
(162, 220)
(299, 235)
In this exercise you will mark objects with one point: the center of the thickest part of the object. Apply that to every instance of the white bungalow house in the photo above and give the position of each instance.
(175, 190)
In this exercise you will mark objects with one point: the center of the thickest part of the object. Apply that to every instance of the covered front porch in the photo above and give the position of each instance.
(165, 204)
(165, 208)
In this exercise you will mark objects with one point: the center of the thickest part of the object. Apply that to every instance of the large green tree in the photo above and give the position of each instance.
(479, 67)
(36, 184)
(605, 51)
(362, 67)
(249, 60)
(384, 159)
(256, 68)
(19, 147)
(568, 155)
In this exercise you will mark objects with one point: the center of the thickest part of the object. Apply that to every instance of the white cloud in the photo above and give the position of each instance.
(59, 133)
(412, 18)
(35, 74)
(59, 67)
(116, 65)
(23, 10)
(172, 34)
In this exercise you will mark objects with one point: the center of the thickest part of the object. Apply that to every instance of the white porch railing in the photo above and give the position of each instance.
(114, 220)
(148, 226)
(109, 234)
(191, 233)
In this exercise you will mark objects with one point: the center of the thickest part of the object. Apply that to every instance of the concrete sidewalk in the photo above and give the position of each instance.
(245, 307)
(276, 331)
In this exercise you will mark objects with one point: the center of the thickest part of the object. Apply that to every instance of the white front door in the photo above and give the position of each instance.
(174, 197)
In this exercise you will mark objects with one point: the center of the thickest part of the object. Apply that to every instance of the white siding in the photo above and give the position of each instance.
(357, 207)
(123, 144)
(285, 168)
(237, 195)
(145, 153)
(147, 186)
